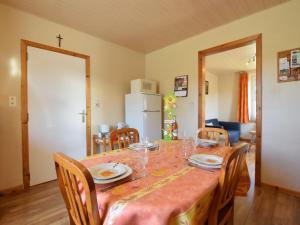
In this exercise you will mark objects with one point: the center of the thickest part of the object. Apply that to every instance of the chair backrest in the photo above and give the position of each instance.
(121, 138)
(74, 180)
(228, 181)
(214, 134)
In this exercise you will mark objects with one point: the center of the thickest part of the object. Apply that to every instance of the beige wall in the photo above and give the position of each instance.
(112, 67)
(222, 100)
(281, 105)
(212, 99)
(228, 96)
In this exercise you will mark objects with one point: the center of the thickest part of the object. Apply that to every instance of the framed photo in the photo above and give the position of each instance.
(181, 86)
(206, 87)
(295, 58)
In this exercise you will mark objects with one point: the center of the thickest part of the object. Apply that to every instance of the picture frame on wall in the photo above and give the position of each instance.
(181, 86)
(206, 87)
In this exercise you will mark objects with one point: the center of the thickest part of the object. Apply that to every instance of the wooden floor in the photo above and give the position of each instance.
(44, 205)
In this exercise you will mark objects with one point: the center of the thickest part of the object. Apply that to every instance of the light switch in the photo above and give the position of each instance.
(12, 101)
(97, 103)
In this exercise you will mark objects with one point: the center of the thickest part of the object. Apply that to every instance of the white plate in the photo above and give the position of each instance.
(136, 146)
(107, 171)
(202, 144)
(107, 181)
(204, 166)
(206, 159)
(207, 143)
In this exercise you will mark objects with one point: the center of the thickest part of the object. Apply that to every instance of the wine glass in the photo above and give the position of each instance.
(184, 135)
(185, 145)
(146, 141)
(185, 149)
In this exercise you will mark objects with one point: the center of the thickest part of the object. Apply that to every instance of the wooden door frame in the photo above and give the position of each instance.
(24, 101)
(201, 89)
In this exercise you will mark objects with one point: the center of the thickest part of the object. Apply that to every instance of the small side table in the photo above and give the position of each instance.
(97, 141)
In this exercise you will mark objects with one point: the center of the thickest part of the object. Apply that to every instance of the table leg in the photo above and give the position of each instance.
(94, 145)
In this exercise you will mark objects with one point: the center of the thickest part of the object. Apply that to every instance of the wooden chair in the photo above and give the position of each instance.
(222, 209)
(121, 138)
(70, 173)
(214, 134)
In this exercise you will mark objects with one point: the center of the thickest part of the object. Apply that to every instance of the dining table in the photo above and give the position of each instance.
(170, 192)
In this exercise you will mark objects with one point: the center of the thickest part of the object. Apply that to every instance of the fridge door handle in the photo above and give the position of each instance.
(151, 110)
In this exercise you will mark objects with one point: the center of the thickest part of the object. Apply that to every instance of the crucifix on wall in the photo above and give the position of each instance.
(59, 38)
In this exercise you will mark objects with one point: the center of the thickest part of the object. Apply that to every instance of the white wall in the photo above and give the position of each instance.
(228, 96)
(212, 99)
(112, 68)
(281, 105)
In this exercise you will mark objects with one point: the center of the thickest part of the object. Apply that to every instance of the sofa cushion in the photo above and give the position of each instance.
(234, 136)
(214, 122)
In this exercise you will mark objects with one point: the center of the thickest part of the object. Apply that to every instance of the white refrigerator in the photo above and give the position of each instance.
(143, 112)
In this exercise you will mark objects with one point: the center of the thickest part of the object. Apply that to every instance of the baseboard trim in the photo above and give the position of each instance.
(286, 190)
(12, 190)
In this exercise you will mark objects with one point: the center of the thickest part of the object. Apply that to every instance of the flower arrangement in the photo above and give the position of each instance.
(169, 108)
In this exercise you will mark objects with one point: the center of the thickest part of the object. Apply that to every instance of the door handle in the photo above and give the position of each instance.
(83, 114)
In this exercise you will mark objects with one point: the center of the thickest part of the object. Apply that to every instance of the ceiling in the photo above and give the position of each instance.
(142, 25)
(231, 61)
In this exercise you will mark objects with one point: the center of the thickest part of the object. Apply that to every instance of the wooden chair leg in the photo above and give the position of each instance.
(71, 220)
(231, 218)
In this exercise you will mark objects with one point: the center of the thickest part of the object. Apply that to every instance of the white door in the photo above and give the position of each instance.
(56, 96)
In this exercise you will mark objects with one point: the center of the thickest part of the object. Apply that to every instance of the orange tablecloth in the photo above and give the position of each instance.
(171, 193)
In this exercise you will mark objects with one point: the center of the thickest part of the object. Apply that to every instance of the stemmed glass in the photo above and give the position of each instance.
(146, 141)
(185, 145)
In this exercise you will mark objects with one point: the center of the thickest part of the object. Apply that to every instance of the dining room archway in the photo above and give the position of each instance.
(257, 39)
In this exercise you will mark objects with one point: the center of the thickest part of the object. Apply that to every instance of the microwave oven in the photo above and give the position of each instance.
(143, 86)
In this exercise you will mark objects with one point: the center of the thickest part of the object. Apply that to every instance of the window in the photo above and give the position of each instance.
(252, 96)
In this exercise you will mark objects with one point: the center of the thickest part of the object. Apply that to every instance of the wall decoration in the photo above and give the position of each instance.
(206, 87)
(181, 86)
(59, 38)
(288, 63)
(295, 58)
(169, 108)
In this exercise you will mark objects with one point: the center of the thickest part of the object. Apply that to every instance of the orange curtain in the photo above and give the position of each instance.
(243, 110)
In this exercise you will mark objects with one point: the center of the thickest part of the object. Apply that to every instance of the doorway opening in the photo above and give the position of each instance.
(254, 85)
(37, 67)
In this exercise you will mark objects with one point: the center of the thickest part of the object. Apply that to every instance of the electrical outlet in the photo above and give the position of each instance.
(12, 101)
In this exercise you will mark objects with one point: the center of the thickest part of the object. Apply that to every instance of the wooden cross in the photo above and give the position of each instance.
(59, 40)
